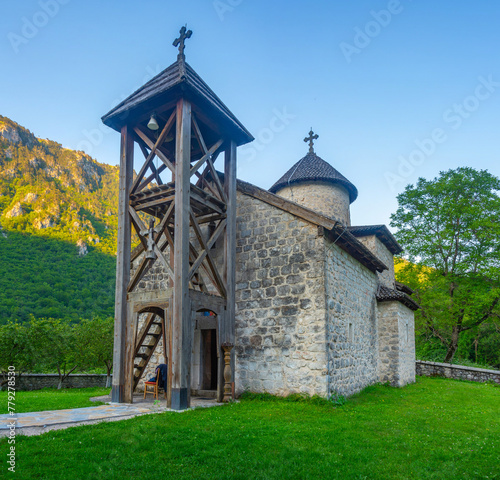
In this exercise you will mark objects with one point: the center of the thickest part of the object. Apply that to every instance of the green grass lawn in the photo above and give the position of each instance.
(53, 399)
(436, 429)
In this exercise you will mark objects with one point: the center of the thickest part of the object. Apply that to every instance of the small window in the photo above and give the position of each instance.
(351, 332)
(407, 333)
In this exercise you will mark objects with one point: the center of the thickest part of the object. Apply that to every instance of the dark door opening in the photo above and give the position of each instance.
(209, 359)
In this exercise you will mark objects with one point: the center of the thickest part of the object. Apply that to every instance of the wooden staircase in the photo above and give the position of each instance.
(151, 332)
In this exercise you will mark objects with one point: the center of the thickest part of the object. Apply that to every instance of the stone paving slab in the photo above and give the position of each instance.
(35, 423)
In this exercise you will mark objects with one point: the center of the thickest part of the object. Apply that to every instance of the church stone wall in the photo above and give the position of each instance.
(351, 323)
(325, 198)
(396, 343)
(280, 302)
(406, 324)
(375, 246)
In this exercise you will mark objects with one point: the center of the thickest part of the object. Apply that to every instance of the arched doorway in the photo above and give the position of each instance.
(151, 333)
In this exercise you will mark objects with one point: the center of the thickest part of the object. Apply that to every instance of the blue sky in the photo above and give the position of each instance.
(396, 89)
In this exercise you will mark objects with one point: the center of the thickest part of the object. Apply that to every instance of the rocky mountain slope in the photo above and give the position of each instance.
(52, 191)
(58, 217)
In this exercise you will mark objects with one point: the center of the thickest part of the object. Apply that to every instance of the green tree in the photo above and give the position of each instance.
(449, 228)
(95, 344)
(486, 345)
(53, 345)
(15, 349)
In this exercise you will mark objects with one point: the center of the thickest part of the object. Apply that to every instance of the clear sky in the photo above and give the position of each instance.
(396, 89)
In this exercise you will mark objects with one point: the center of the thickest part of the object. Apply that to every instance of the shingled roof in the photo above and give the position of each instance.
(381, 232)
(386, 294)
(313, 168)
(176, 81)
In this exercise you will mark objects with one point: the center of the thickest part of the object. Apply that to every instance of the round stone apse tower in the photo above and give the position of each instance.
(315, 184)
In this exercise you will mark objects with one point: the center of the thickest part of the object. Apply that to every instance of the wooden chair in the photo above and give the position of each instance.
(154, 386)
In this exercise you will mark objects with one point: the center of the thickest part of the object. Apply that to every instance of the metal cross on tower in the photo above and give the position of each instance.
(180, 41)
(311, 139)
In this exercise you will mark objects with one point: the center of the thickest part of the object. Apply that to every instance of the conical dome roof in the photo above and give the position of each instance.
(313, 168)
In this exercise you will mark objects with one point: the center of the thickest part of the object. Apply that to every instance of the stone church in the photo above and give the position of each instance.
(316, 305)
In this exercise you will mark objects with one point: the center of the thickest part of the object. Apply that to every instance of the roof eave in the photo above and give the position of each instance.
(184, 84)
(381, 232)
(351, 189)
(336, 230)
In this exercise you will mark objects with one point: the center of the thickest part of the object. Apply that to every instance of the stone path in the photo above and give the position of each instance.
(36, 423)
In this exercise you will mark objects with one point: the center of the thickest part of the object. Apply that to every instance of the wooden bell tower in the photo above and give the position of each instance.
(175, 209)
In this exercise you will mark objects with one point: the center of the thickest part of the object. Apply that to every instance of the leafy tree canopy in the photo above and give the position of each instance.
(450, 228)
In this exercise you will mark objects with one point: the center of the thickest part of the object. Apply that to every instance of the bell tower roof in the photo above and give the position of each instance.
(176, 81)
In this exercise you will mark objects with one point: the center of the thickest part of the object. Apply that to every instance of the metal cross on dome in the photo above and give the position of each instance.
(312, 136)
(184, 33)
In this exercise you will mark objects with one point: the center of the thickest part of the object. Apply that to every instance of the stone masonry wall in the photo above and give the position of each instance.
(457, 372)
(387, 277)
(280, 302)
(351, 320)
(325, 198)
(36, 381)
(396, 344)
(406, 326)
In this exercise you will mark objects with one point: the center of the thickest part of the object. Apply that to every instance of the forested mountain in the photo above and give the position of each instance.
(58, 214)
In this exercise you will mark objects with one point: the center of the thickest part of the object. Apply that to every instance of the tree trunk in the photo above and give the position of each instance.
(108, 375)
(453, 345)
(61, 377)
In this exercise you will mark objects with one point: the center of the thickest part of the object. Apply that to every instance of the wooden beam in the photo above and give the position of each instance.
(158, 152)
(152, 153)
(206, 202)
(212, 217)
(207, 155)
(138, 229)
(165, 221)
(154, 203)
(219, 283)
(286, 205)
(144, 331)
(164, 337)
(230, 248)
(156, 173)
(122, 267)
(203, 182)
(181, 321)
(198, 134)
(163, 260)
(215, 176)
(143, 268)
(210, 243)
(338, 232)
(148, 180)
(194, 255)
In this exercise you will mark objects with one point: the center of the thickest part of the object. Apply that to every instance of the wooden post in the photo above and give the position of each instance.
(122, 267)
(181, 321)
(230, 247)
(228, 395)
(130, 339)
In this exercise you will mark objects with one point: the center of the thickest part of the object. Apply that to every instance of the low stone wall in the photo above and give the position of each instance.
(457, 372)
(36, 381)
